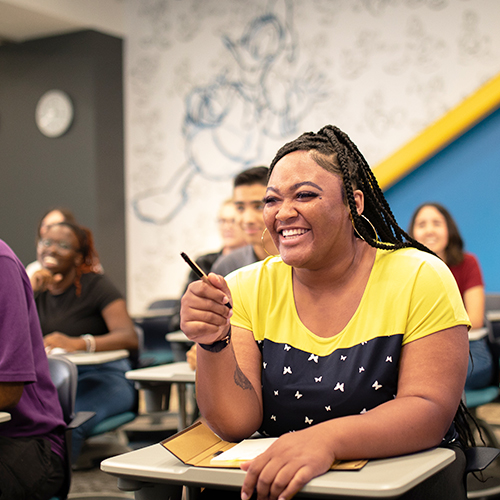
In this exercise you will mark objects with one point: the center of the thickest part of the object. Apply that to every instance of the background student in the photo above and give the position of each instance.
(248, 193)
(433, 225)
(83, 311)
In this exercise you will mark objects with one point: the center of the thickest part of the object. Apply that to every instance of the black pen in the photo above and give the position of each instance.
(199, 272)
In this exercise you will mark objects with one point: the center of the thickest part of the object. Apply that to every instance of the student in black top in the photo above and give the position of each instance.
(83, 311)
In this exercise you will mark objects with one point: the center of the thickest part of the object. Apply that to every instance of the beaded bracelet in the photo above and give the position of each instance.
(89, 342)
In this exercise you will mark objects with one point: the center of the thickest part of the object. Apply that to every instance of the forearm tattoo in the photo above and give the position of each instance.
(240, 379)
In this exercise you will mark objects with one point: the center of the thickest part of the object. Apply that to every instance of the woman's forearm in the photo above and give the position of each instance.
(398, 427)
(226, 397)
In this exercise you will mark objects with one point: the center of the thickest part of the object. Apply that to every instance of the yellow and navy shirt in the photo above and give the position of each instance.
(307, 379)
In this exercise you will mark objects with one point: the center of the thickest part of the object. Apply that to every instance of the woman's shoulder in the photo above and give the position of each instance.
(470, 259)
(96, 280)
(92, 277)
(409, 258)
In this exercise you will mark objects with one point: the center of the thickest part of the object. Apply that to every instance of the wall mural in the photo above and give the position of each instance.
(216, 86)
(227, 121)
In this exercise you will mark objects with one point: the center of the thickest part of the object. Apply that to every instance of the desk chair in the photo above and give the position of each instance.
(115, 423)
(157, 351)
(492, 304)
(478, 458)
(475, 398)
(64, 375)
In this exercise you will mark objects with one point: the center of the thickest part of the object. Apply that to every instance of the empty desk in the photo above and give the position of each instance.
(157, 379)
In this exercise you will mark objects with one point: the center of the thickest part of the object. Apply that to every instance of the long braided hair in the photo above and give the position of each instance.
(334, 151)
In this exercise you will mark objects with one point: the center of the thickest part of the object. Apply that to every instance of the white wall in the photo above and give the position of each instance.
(22, 20)
(215, 86)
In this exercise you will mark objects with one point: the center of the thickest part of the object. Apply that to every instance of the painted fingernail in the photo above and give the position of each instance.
(244, 496)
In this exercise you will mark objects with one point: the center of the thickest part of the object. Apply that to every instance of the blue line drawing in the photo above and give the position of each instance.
(264, 95)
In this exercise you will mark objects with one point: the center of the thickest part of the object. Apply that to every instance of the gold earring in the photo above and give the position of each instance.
(367, 220)
(263, 244)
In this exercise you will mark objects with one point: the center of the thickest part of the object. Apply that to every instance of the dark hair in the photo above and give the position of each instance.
(334, 151)
(454, 251)
(67, 215)
(90, 259)
(254, 175)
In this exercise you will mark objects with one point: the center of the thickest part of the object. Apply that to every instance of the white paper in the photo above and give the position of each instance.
(248, 449)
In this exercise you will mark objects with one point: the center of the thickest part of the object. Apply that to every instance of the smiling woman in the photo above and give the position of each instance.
(354, 337)
(433, 225)
(82, 310)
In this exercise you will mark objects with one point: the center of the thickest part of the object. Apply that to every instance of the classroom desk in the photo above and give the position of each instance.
(156, 379)
(154, 473)
(94, 358)
(178, 336)
(4, 416)
(155, 313)
(493, 315)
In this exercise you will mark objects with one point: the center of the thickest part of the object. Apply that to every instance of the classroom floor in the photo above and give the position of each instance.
(90, 482)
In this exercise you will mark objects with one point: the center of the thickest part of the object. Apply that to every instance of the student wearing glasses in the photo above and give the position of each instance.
(83, 311)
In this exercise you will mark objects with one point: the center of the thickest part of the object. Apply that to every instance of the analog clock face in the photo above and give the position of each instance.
(54, 113)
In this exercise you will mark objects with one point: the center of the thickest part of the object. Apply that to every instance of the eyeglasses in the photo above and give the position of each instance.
(226, 221)
(61, 245)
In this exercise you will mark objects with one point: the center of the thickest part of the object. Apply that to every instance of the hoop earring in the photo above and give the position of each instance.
(263, 244)
(367, 220)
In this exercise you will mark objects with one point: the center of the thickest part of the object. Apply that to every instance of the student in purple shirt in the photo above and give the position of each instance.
(32, 452)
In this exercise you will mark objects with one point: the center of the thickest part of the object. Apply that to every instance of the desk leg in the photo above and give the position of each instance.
(150, 491)
(181, 388)
(193, 492)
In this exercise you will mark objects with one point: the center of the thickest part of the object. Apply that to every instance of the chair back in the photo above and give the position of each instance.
(64, 375)
(492, 302)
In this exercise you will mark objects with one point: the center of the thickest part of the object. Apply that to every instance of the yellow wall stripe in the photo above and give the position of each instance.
(438, 135)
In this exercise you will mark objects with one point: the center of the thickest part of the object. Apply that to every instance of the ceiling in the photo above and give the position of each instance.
(22, 20)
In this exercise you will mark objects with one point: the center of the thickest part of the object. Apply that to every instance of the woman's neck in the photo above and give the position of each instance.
(62, 282)
(340, 271)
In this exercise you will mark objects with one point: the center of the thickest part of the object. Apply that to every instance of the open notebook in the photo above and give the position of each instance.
(199, 446)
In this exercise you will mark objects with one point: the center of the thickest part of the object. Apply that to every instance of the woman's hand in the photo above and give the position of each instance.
(287, 465)
(42, 279)
(204, 313)
(58, 339)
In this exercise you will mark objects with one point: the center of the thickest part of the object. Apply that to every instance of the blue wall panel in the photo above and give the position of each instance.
(464, 177)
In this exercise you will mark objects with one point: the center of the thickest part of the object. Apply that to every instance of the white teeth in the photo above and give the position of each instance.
(49, 260)
(293, 232)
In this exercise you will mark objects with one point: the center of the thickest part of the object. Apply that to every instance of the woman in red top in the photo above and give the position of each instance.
(433, 225)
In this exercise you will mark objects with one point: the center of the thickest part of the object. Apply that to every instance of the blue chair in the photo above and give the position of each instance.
(478, 458)
(157, 351)
(475, 398)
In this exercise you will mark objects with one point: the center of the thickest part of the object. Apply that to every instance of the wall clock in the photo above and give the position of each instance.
(54, 113)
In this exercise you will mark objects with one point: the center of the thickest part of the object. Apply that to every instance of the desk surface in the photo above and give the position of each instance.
(173, 372)
(155, 313)
(378, 479)
(493, 315)
(4, 416)
(178, 336)
(95, 358)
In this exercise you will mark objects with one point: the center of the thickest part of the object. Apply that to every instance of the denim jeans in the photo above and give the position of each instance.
(104, 390)
(480, 370)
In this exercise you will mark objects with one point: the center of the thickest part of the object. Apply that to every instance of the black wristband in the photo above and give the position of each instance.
(218, 345)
